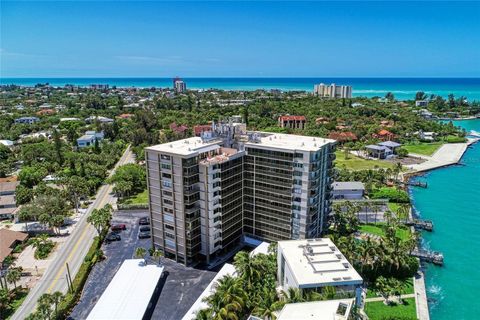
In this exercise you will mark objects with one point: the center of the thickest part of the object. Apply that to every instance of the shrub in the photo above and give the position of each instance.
(392, 194)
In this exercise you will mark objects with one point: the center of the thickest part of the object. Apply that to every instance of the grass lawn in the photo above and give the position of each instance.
(20, 295)
(392, 206)
(376, 229)
(356, 163)
(379, 311)
(408, 283)
(140, 198)
(423, 148)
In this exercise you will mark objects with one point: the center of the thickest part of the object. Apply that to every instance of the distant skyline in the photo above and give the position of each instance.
(239, 39)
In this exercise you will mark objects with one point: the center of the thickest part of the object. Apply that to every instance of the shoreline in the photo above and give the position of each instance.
(421, 299)
(460, 119)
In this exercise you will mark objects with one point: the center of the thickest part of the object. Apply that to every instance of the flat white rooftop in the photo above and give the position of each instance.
(318, 262)
(129, 293)
(185, 147)
(289, 142)
(227, 269)
(325, 310)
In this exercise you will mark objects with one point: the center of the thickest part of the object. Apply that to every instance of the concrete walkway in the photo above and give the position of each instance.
(403, 296)
(446, 155)
(421, 297)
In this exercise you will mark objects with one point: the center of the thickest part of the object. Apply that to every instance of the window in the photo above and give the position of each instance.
(169, 202)
(168, 217)
(169, 235)
(170, 244)
(164, 157)
(167, 175)
(168, 210)
(169, 227)
(167, 193)
(167, 184)
(166, 166)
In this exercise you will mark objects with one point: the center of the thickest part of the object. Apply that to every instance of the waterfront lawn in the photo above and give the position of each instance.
(140, 198)
(408, 289)
(379, 311)
(423, 148)
(355, 163)
(376, 229)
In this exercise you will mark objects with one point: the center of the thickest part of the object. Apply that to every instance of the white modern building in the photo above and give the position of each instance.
(351, 190)
(314, 264)
(179, 86)
(332, 91)
(328, 310)
(132, 293)
(88, 139)
(206, 194)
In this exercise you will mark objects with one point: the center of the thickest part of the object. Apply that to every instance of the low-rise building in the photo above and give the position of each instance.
(88, 139)
(313, 264)
(8, 203)
(330, 309)
(292, 122)
(10, 239)
(421, 103)
(101, 119)
(378, 152)
(426, 136)
(351, 190)
(384, 135)
(27, 120)
(392, 145)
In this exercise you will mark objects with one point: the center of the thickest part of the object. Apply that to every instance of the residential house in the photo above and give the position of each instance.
(378, 152)
(313, 264)
(392, 145)
(427, 115)
(8, 203)
(292, 122)
(180, 130)
(384, 135)
(351, 190)
(421, 103)
(10, 239)
(329, 309)
(342, 137)
(426, 136)
(88, 139)
(27, 120)
(101, 119)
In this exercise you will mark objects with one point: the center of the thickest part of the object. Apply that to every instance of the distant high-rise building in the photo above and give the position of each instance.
(207, 194)
(179, 85)
(332, 91)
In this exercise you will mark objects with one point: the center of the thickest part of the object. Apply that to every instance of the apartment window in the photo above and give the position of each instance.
(164, 157)
(297, 173)
(168, 218)
(297, 165)
(295, 207)
(169, 227)
(166, 166)
(170, 243)
(169, 202)
(298, 155)
(167, 193)
(216, 193)
(167, 184)
(166, 175)
(217, 175)
(297, 190)
(168, 210)
(297, 181)
(217, 184)
(169, 235)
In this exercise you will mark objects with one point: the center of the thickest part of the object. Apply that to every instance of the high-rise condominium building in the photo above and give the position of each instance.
(207, 194)
(332, 91)
(179, 86)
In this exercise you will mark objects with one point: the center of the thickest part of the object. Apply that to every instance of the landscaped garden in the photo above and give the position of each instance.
(378, 310)
(378, 229)
(356, 163)
(423, 148)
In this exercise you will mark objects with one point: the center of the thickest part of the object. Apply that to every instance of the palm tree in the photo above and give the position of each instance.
(157, 255)
(266, 304)
(292, 295)
(14, 275)
(140, 253)
(247, 268)
(56, 298)
(229, 300)
(44, 307)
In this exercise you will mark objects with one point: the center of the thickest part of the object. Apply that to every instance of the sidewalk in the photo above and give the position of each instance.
(403, 296)
(421, 297)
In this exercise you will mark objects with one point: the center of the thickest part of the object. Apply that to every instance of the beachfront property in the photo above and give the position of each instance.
(332, 91)
(292, 122)
(426, 136)
(313, 264)
(330, 309)
(351, 190)
(88, 139)
(207, 194)
(179, 86)
(421, 103)
(382, 150)
(27, 120)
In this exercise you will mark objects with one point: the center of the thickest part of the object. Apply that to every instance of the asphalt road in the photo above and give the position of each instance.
(73, 251)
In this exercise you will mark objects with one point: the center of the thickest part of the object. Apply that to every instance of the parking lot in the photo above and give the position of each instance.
(182, 285)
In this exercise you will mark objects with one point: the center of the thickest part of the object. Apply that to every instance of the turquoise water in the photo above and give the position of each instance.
(452, 201)
(402, 88)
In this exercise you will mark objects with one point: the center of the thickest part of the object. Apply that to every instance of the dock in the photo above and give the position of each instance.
(426, 225)
(434, 257)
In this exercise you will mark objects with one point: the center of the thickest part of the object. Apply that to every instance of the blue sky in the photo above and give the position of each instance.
(236, 39)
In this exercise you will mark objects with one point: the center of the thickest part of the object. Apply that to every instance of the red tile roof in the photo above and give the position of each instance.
(292, 118)
(199, 128)
(342, 136)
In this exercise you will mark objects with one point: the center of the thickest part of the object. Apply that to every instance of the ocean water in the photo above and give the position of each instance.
(452, 201)
(402, 88)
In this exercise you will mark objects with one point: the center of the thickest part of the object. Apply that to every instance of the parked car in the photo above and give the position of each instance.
(118, 227)
(112, 237)
(144, 221)
(144, 228)
(144, 235)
